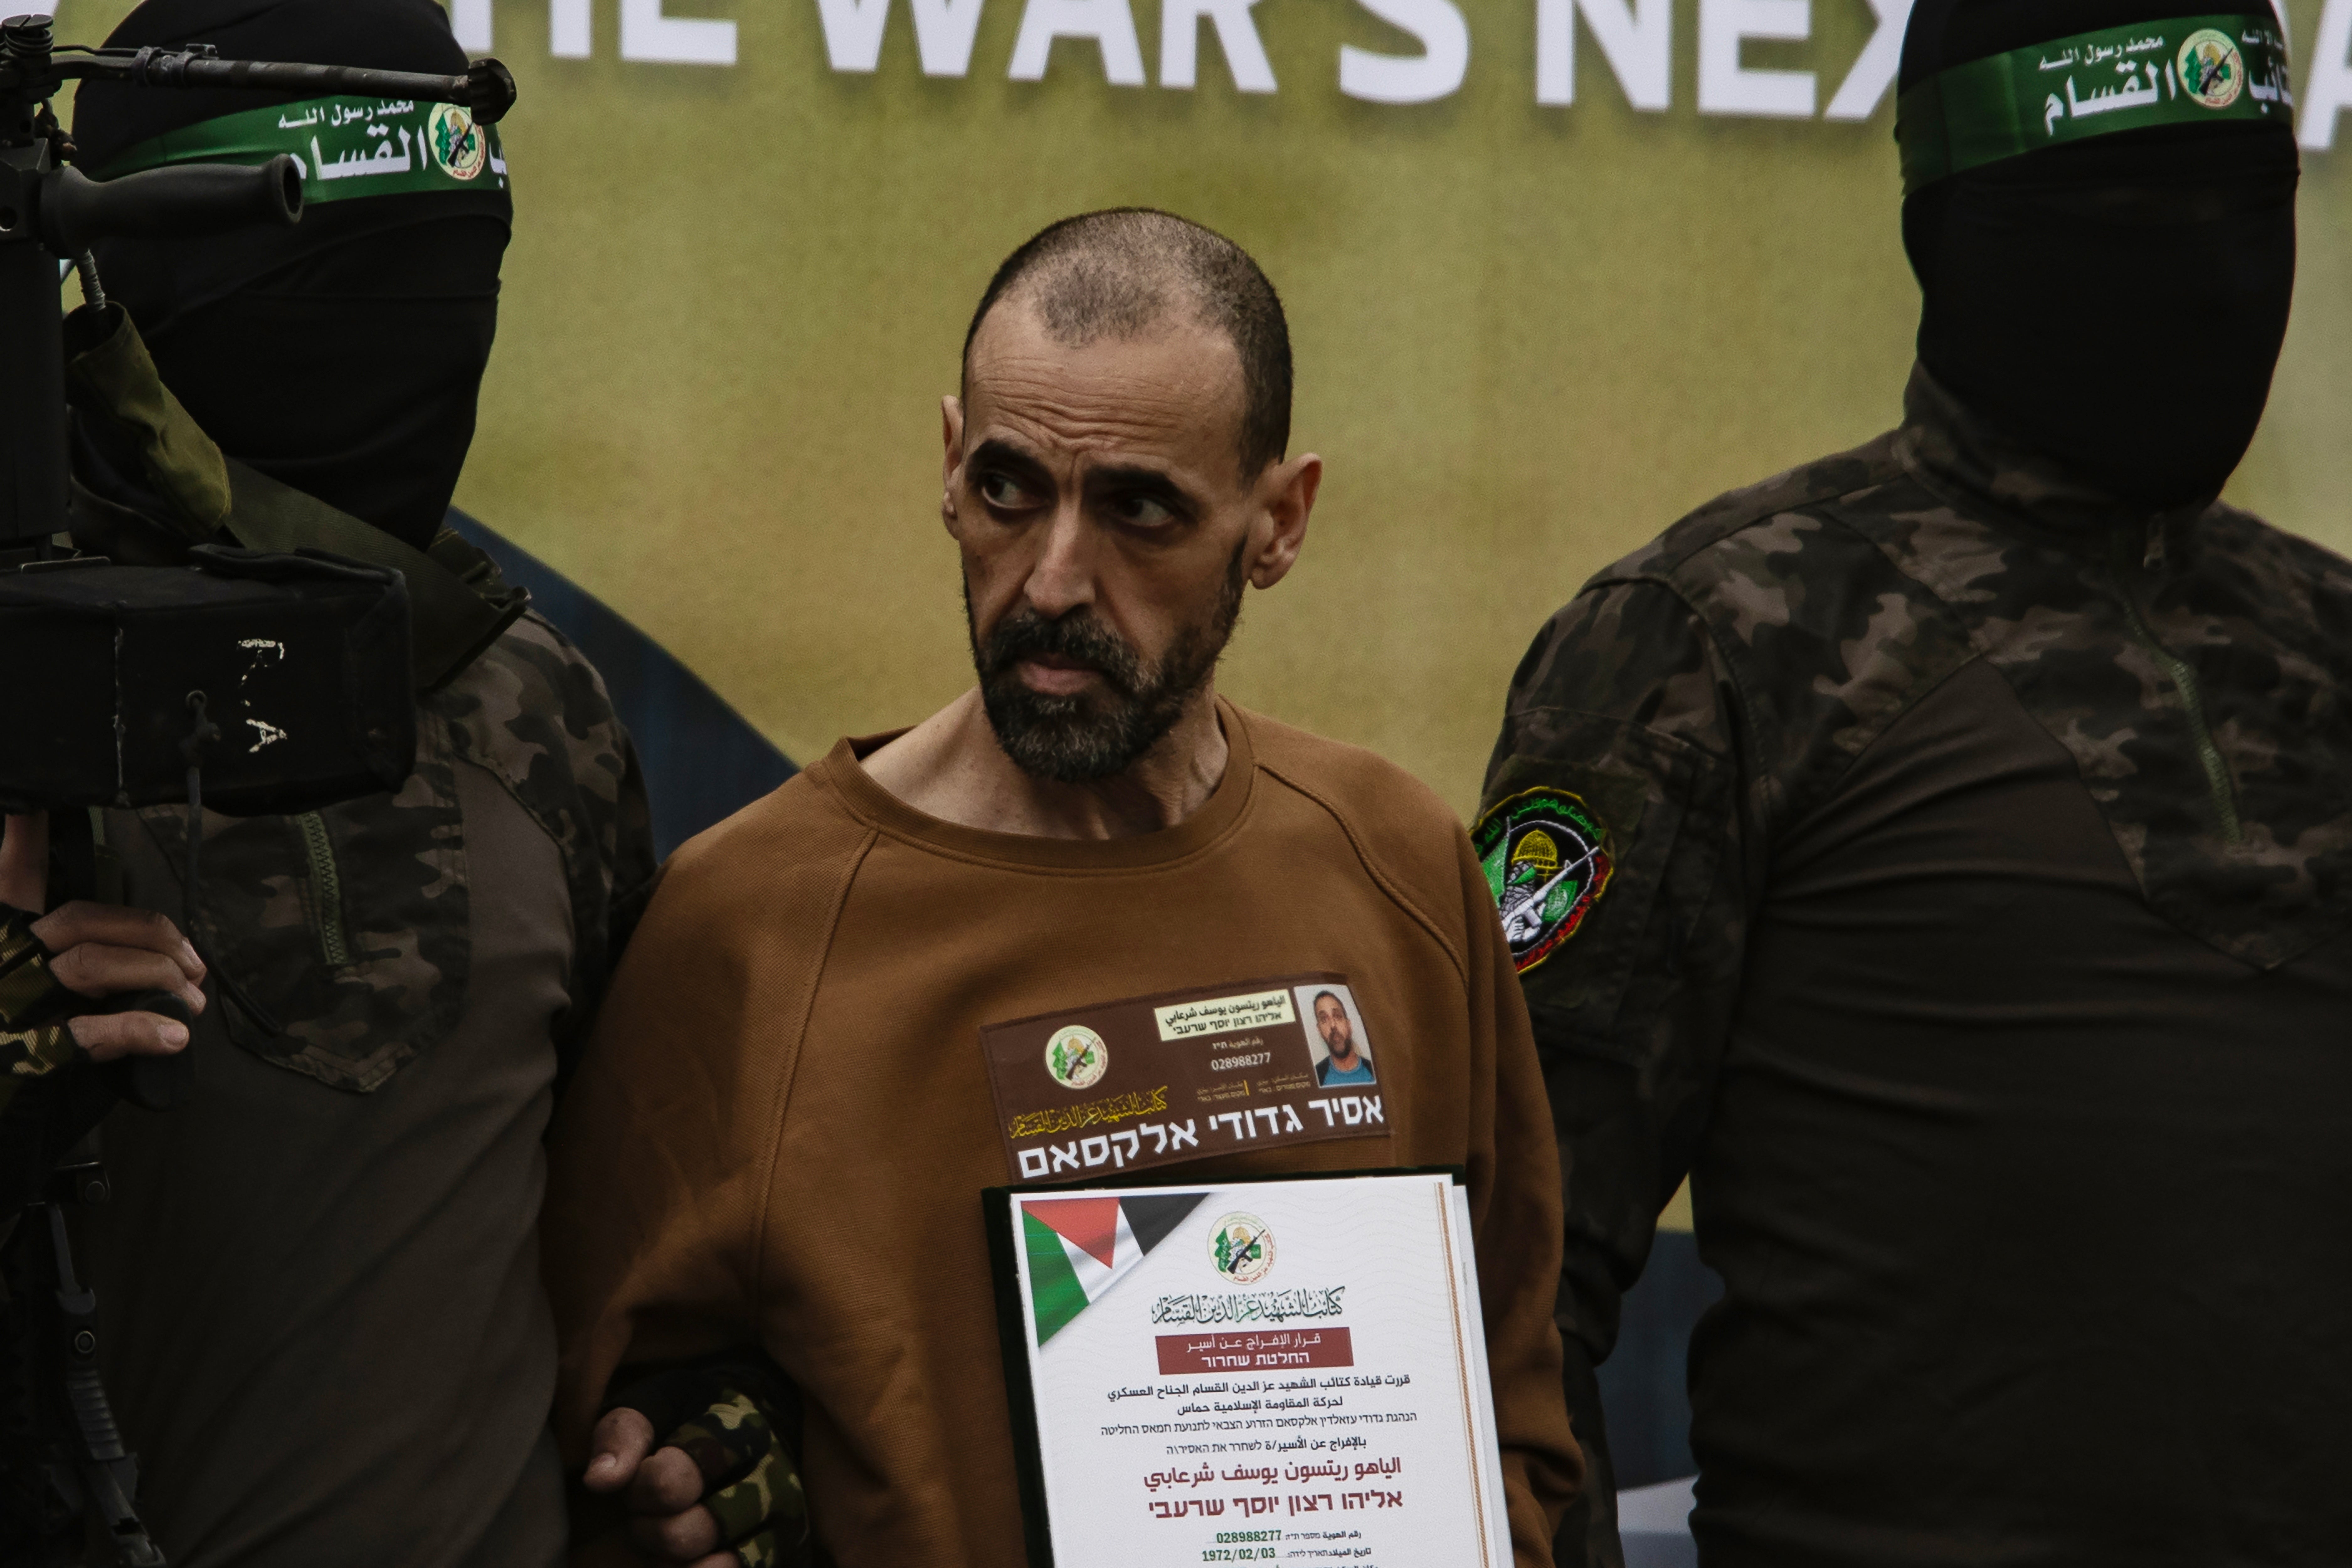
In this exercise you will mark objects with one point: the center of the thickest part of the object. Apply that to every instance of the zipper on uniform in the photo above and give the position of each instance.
(2184, 681)
(326, 888)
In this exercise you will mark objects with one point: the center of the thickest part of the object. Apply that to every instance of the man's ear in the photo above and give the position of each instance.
(1286, 495)
(952, 457)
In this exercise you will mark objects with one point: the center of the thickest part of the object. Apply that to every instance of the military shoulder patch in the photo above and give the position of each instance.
(1547, 860)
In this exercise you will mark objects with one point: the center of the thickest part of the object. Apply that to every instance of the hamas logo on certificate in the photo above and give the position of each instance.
(1242, 1248)
(1547, 862)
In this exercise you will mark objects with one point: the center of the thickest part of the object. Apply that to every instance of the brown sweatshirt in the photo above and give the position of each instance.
(785, 1121)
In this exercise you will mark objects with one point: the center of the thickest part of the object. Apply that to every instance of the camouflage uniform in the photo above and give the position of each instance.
(317, 1287)
(344, 932)
(348, 1203)
(319, 1311)
(1963, 907)
(347, 928)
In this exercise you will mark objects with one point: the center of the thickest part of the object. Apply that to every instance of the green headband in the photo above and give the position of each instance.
(2188, 71)
(346, 147)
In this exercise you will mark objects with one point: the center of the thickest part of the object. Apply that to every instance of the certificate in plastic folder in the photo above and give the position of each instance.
(1289, 1370)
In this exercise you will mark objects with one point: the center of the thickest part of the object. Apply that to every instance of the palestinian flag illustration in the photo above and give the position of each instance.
(1080, 1247)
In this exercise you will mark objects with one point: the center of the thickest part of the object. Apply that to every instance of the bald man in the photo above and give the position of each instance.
(786, 1121)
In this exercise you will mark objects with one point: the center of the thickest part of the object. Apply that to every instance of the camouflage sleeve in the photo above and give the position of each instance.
(1614, 837)
(536, 712)
(636, 869)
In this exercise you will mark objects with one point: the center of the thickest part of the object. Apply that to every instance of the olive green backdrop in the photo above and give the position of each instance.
(1528, 336)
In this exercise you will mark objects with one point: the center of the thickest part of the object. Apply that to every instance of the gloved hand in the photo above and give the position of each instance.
(720, 1488)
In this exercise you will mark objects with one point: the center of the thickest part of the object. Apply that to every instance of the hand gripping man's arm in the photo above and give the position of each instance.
(1621, 726)
(702, 1454)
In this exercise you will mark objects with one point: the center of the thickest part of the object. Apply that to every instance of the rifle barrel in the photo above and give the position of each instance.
(487, 88)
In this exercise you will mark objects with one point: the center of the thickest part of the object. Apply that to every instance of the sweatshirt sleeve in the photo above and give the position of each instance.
(662, 1155)
(1624, 702)
(1515, 1215)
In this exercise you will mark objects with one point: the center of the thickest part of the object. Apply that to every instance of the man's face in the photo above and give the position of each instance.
(1107, 531)
(1331, 1023)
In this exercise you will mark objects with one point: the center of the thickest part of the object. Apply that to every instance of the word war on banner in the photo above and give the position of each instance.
(1635, 39)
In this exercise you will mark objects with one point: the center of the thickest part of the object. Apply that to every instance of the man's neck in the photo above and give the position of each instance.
(950, 767)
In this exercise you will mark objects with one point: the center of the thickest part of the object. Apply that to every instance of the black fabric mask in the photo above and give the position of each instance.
(2117, 303)
(344, 356)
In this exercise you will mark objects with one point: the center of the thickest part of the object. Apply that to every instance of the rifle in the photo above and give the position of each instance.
(128, 675)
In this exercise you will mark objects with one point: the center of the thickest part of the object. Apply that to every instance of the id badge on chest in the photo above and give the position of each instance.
(1151, 1080)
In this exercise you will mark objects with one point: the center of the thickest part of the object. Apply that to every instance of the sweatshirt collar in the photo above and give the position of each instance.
(840, 772)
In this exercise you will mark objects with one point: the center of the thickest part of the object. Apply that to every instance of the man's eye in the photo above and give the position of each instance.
(1143, 511)
(1002, 491)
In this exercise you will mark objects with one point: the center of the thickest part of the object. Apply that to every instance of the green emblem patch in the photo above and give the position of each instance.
(1548, 863)
(457, 143)
(2212, 71)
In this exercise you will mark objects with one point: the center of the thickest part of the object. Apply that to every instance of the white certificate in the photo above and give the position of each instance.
(1284, 1371)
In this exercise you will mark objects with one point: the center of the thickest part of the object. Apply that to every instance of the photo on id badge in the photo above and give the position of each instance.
(1342, 1052)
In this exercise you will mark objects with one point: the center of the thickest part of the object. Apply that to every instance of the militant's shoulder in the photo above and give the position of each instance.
(534, 711)
(1777, 606)
(533, 705)
(1407, 837)
(1744, 533)
(2297, 579)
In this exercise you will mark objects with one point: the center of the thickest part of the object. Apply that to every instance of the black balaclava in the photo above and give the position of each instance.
(343, 356)
(2116, 302)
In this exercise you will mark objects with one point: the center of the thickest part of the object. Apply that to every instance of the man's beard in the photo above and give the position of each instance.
(1094, 735)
